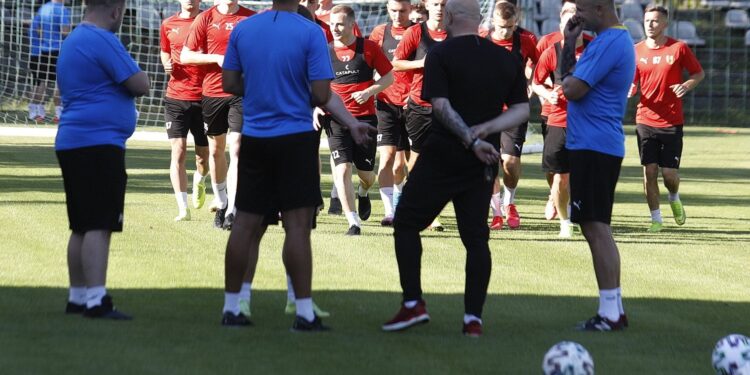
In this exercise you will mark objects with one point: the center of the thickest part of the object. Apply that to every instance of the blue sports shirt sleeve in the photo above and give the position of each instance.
(118, 64)
(595, 63)
(318, 59)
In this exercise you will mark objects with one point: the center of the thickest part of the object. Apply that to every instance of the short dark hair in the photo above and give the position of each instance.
(344, 9)
(514, 2)
(506, 9)
(304, 12)
(562, 2)
(419, 8)
(657, 8)
(404, 1)
(103, 3)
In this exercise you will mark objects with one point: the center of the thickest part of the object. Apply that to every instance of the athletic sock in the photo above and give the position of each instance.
(181, 201)
(289, 289)
(32, 111)
(468, 318)
(352, 218)
(362, 192)
(509, 195)
(656, 215)
(58, 111)
(305, 308)
(674, 197)
(397, 194)
(94, 296)
(619, 301)
(334, 192)
(40, 111)
(565, 223)
(410, 304)
(220, 193)
(198, 178)
(386, 195)
(495, 203)
(231, 303)
(608, 306)
(77, 295)
(245, 291)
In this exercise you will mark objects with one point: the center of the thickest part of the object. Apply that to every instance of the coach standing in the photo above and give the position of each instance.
(597, 89)
(467, 79)
(98, 81)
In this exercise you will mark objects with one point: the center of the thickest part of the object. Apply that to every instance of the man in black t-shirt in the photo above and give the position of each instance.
(467, 80)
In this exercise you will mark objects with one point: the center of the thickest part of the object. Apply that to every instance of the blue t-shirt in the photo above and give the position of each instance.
(279, 53)
(607, 65)
(46, 28)
(97, 108)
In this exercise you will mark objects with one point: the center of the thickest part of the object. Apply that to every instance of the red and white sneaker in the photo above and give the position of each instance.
(511, 216)
(497, 223)
(472, 329)
(406, 318)
(550, 211)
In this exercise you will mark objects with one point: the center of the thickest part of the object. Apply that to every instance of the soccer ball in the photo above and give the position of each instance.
(731, 355)
(567, 358)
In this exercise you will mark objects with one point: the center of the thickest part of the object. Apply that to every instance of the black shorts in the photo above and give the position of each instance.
(418, 122)
(220, 114)
(278, 174)
(511, 140)
(181, 116)
(661, 146)
(94, 179)
(44, 66)
(593, 177)
(344, 150)
(555, 157)
(543, 126)
(392, 126)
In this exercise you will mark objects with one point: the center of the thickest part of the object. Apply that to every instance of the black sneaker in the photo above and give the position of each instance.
(105, 311)
(303, 325)
(228, 221)
(74, 308)
(354, 231)
(335, 207)
(601, 324)
(364, 207)
(219, 218)
(229, 319)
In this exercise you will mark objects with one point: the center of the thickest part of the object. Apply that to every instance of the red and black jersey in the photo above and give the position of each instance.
(546, 42)
(414, 45)
(210, 34)
(548, 67)
(520, 45)
(354, 67)
(656, 70)
(186, 81)
(387, 37)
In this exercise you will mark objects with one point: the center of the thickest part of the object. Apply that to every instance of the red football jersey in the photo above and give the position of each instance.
(541, 46)
(210, 34)
(545, 68)
(408, 46)
(326, 29)
(374, 58)
(186, 81)
(396, 93)
(528, 45)
(656, 70)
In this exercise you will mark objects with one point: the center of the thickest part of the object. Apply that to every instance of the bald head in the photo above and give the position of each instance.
(597, 15)
(462, 17)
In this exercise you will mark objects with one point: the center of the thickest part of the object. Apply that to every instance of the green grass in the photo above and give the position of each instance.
(684, 288)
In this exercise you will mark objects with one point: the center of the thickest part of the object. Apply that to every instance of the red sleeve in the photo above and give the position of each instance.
(529, 48)
(375, 58)
(377, 35)
(409, 43)
(357, 31)
(196, 40)
(689, 61)
(545, 66)
(163, 40)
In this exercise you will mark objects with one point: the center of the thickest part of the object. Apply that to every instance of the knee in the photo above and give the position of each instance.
(651, 172)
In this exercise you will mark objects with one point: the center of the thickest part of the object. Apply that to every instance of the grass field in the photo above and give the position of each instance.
(684, 288)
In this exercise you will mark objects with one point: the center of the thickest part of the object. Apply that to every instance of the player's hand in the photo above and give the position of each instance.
(362, 132)
(479, 131)
(679, 89)
(361, 97)
(574, 28)
(486, 153)
(552, 97)
(317, 115)
(168, 67)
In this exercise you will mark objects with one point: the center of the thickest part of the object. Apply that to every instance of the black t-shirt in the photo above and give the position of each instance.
(477, 76)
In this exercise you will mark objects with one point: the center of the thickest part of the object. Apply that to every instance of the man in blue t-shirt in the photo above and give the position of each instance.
(279, 62)
(48, 29)
(597, 88)
(98, 81)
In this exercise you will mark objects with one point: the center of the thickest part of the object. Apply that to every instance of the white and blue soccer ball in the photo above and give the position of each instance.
(567, 358)
(731, 355)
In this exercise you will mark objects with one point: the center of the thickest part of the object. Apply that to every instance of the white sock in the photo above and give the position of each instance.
(509, 195)
(231, 303)
(94, 296)
(305, 309)
(608, 306)
(619, 301)
(410, 304)
(397, 195)
(32, 111)
(386, 195)
(40, 111)
(181, 201)
(569, 211)
(58, 111)
(245, 291)
(220, 193)
(352, 218)
(674, 197)
(77, 295)
(334, 192)
(362, 192)
(495, 202)
(289, 289)
(198, 178)
(468, 318)
(565, 223)
(656, 215)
